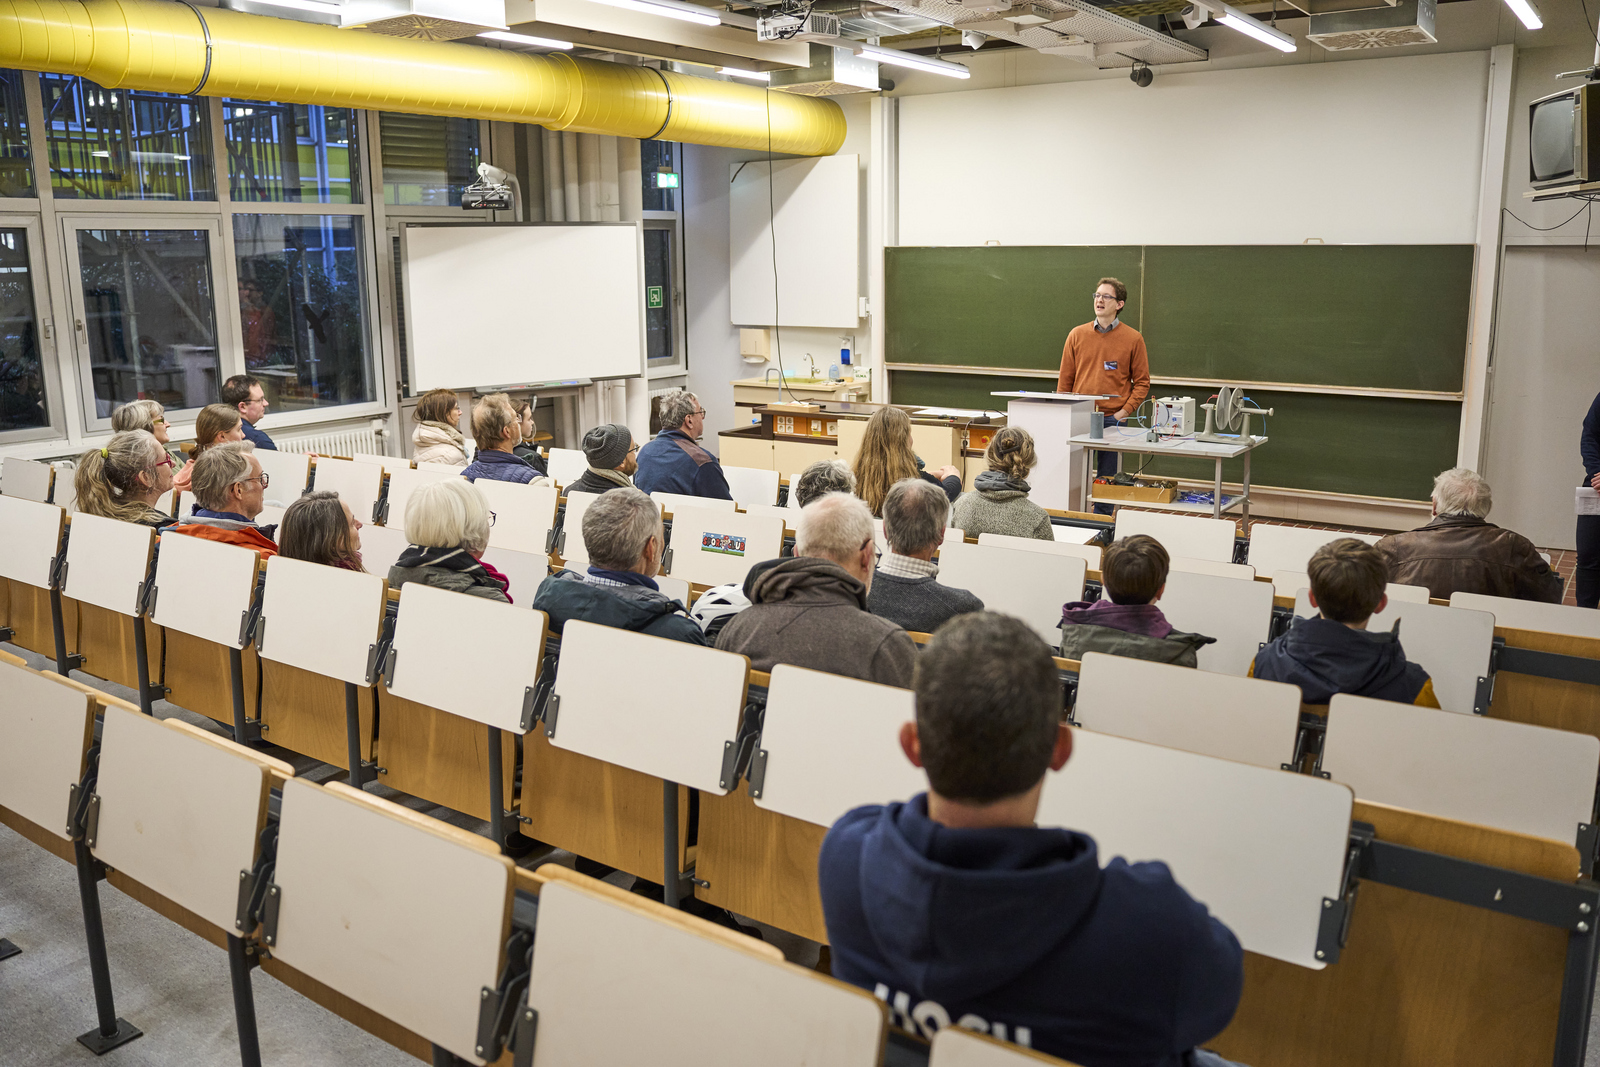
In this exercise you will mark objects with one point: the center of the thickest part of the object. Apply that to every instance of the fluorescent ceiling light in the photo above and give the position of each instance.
(685, 12)
(321, 7)
(1524, 11)
(1235, 19)
(906, 59)
(522, 38)
(753, 75)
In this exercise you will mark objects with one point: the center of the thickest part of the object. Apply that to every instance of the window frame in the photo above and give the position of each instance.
(49, 365)
(673, 221)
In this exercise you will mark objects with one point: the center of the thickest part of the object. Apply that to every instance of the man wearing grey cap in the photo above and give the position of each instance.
(611, 454)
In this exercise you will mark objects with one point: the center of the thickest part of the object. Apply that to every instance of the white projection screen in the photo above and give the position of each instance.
(504, 305)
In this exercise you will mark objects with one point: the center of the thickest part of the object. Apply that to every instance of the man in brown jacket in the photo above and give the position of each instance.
(1459, 551)
(811, 611)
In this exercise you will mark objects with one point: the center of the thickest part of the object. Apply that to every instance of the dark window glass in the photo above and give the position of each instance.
(117, 144)
(658, 297)
(302, 305)
(294, 153)
(653, 155)
(16, 167)
(427, 159)
(22, 401)
(149, 317)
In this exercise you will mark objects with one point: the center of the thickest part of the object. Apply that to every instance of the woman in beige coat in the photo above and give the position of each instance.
(436, 439)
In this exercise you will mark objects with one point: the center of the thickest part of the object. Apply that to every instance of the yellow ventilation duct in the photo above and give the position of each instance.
(169, 46)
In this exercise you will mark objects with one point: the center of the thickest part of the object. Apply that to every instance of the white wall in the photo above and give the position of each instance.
(714, 359)
(1546, 363)
(1376, 151)
(1546, 374)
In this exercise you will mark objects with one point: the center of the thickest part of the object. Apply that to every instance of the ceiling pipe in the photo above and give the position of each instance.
(174, 47)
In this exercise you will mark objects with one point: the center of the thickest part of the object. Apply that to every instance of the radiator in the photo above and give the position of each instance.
(347, 442)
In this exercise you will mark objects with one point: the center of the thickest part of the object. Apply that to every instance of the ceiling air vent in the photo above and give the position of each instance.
(1409, 22)
(834, 71)
(427, 20)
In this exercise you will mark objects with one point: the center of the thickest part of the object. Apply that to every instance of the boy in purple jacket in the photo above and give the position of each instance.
(1125, 620)
(956, 910)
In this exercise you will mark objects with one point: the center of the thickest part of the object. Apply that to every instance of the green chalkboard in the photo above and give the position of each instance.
(1360, 316)
(1367, 446)
(997, 307)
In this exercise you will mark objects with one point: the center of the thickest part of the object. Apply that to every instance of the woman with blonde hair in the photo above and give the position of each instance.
(146, 415)
(126, 479)
(436, 438)
(999, 501)
(216, 424)
(886, 457)
(319, 528)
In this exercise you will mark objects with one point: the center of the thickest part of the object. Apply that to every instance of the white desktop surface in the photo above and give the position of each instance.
(1131, 439)
(31, 532)
(204, 588)
(45, 728)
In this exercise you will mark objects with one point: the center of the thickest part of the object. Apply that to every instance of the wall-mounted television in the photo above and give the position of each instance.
(1564, 137)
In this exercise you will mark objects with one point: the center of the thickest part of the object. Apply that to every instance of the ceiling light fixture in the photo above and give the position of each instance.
(524, 39)
(906, 59)
(321, 7)
(684, 12)
(1235, 19)
(753, 75)
(1524, 11)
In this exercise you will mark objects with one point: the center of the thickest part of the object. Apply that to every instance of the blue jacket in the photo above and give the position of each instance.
(1324, 657)
(259, 437)
(1019, 933)
(1589, 443)
(643, 609)
(673, 463)
(499, 467)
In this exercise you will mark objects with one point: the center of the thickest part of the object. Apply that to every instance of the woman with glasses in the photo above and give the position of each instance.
(126, 479)
(448, 525)
(217, 424)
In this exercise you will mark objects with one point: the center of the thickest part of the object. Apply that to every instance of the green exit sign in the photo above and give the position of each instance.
(653, 297)
(666, 179)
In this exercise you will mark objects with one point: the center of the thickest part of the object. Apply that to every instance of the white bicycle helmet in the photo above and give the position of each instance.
(717, 605)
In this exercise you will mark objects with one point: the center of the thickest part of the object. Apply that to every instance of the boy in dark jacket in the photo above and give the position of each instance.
(954, 909)
(624, 534)
(1125, 620)
(1334, 652)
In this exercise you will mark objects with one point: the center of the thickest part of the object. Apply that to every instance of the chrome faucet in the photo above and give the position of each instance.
(813, 364)
(767, 377)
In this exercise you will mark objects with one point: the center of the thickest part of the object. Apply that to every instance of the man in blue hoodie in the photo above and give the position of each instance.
(498, 431)
(955, 909)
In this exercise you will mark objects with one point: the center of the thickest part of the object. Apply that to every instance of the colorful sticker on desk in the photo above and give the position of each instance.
(725, 544)
(1110, 364)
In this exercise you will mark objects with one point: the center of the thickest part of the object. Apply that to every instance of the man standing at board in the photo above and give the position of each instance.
(1106, 356)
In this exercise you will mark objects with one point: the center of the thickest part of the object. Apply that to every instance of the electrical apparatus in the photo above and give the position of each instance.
(1173, 416)
(1564, 137)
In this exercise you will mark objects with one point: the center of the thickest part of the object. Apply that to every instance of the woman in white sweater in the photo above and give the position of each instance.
(436, 439)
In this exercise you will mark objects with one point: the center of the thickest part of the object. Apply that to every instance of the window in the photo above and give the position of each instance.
(302, 308)
(660, 297)
(427, 159)
(22, 397)
(148, 320)
(117, 144)
(16, 164)
(653, 155)
(291, 153)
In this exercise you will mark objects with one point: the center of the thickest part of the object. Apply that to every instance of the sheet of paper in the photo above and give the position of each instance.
(955, 413)
(1588, 501)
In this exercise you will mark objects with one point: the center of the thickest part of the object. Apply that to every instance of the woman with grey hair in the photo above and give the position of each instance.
(821, 478)
(125, 479)
(448, 525)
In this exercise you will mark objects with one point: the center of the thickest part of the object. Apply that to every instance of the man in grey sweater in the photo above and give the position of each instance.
(811, 610)
(905, 589)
